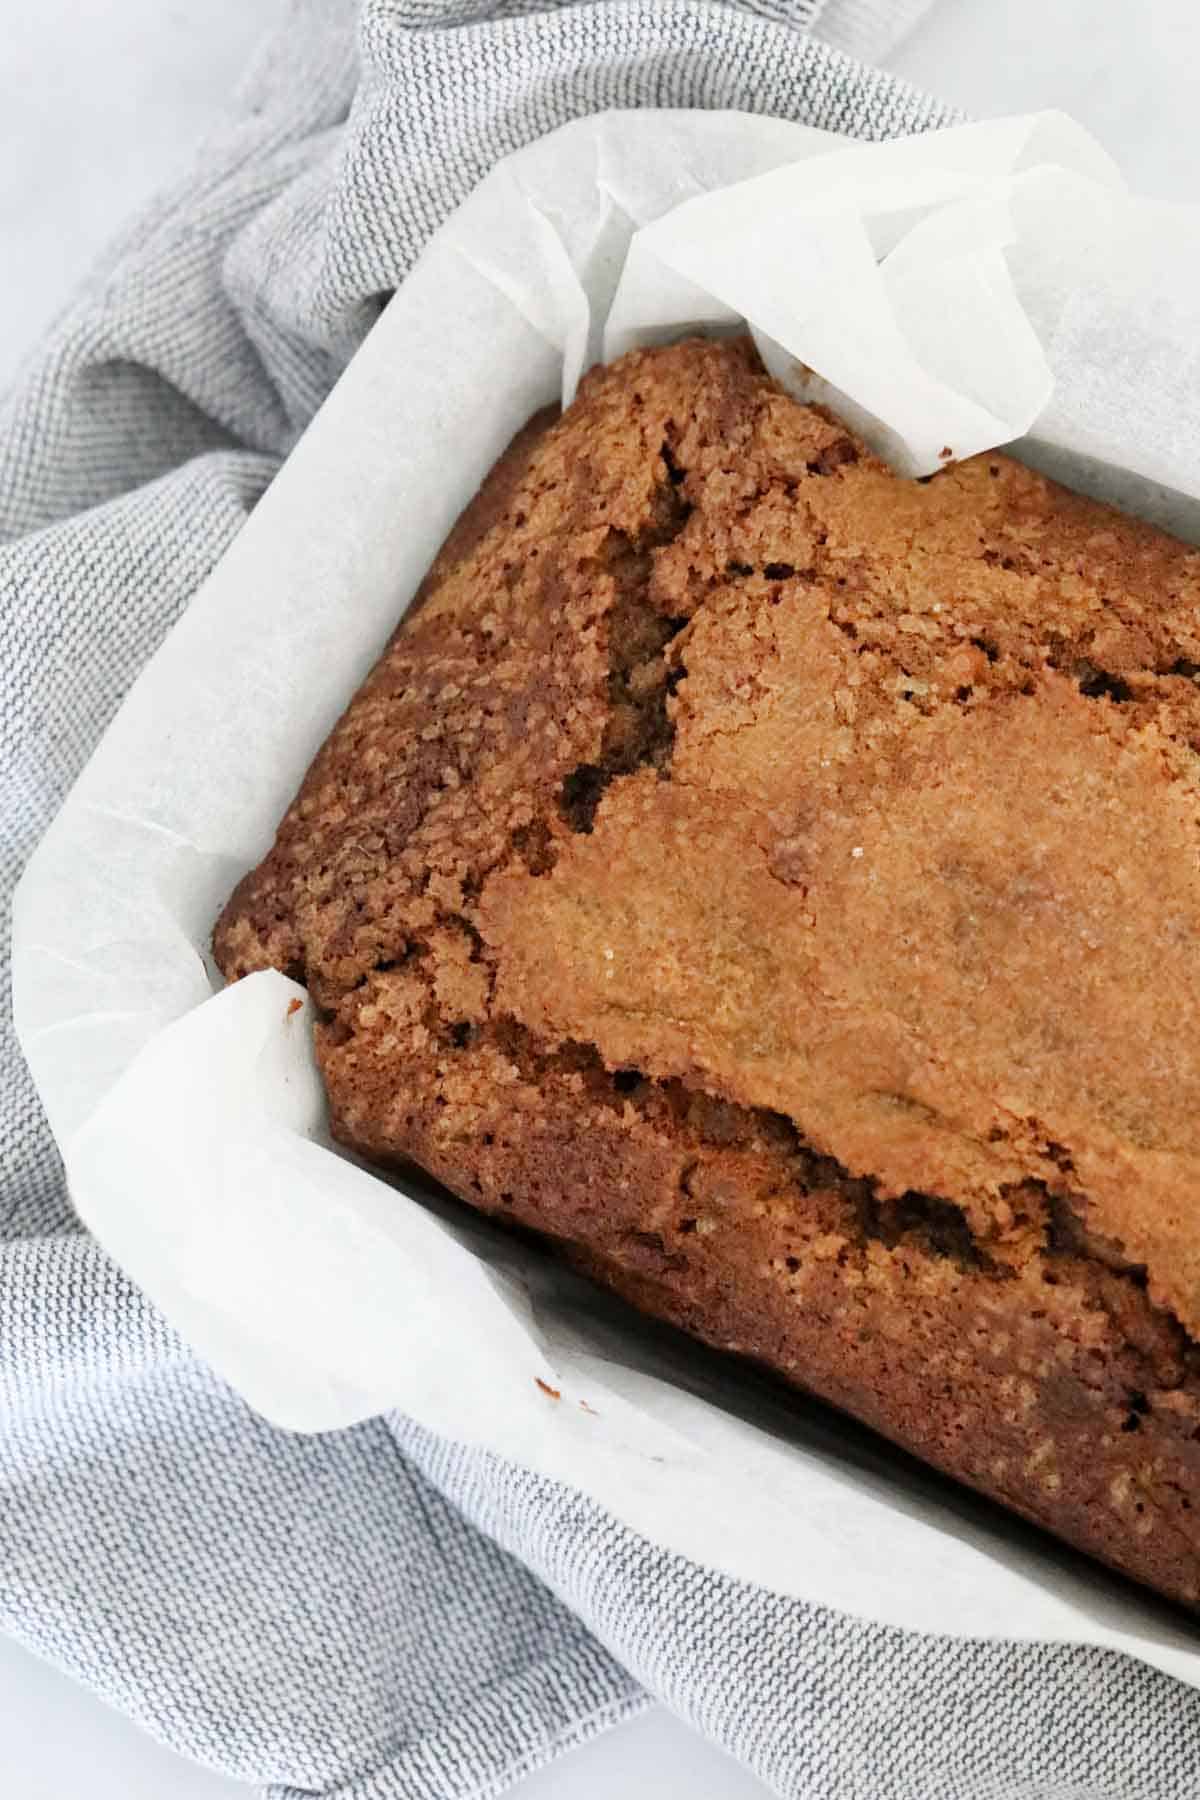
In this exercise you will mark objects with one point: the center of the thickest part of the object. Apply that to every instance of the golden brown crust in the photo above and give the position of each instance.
(778, 883)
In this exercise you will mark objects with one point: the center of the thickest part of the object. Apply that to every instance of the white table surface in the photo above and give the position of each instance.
(103, 102)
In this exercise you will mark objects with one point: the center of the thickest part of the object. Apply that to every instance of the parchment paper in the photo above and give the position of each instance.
(950, 293)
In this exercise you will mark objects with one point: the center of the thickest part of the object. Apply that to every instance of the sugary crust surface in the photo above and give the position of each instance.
(778, 883)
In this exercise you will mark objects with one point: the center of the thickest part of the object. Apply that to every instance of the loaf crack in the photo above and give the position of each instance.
(642, 676)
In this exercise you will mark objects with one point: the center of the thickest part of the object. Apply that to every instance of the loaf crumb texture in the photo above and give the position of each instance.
(778, 883)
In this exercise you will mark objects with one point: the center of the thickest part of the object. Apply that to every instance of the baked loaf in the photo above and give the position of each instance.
(778, 883)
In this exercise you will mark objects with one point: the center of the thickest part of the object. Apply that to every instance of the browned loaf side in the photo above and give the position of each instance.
(779, 884)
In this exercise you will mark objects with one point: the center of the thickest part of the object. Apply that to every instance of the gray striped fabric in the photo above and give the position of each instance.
(375, 1613)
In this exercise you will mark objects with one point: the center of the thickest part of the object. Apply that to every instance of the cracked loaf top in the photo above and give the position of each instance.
(715, 761)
